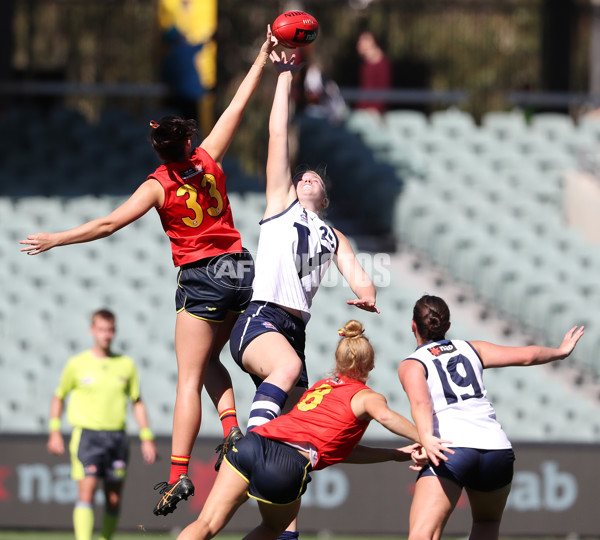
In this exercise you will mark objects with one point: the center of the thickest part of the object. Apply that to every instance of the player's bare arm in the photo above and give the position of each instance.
(148, 195)
(219, 139)
(369, 454)
(280, 191)
(359, 281)
(493, 355)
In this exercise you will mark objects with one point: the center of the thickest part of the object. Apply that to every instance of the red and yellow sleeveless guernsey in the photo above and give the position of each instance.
(196, 215)
(323, 418)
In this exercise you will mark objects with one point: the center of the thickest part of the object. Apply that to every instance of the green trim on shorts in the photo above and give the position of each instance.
(77, 471)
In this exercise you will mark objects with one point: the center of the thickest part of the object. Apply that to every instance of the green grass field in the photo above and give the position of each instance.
(144, 535)
(41, 535)
(141, 535)
(68, 535)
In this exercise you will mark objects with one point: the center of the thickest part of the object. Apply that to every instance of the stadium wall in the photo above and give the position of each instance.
(555, 493)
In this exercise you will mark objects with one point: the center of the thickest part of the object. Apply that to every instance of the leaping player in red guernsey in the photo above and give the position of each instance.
(188, 191)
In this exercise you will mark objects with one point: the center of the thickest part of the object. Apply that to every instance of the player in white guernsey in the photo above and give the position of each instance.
(295, 249)
(444, 383)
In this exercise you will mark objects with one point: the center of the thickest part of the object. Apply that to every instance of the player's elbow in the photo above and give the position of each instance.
(530, 356)
(106, 230)
(384, 417)
(107, 226)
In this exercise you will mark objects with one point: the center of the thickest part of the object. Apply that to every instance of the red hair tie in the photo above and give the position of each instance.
(153, 124)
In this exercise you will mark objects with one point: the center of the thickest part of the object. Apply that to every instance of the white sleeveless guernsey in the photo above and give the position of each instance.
(295, 249)
(461, 412)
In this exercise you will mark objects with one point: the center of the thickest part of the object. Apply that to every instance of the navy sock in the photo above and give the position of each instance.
(267, 404)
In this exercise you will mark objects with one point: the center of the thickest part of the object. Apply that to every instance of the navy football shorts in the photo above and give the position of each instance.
(276, 472)
(260, 318)
(482, 470)
(209, 288)
(99, 453)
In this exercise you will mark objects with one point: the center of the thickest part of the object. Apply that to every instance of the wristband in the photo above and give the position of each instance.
(146, 434)
(54, 424)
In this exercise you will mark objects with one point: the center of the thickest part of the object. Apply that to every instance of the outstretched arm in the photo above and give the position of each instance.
(368, 404)
(367, 454)
(499, 356)
(280, 192)
(218, 140)
(149, 194)
(354, 274)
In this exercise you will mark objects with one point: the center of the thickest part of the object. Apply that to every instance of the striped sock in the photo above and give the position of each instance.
(267, 404)
(179, 466)
(228, 420)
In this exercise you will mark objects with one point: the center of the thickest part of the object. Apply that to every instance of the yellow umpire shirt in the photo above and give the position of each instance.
(99, 389)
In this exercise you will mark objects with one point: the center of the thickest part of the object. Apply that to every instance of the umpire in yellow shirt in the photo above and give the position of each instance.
(99, 383)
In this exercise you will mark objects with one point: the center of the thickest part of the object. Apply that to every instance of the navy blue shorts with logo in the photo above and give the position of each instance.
(276, 472)
(99, 453)
(262, 317)
(209, 288)
(482, 470)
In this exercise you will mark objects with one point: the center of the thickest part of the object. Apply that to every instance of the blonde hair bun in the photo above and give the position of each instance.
(354, 355)
(352, 329)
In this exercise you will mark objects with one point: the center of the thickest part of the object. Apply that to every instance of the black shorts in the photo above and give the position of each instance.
(276, 472)
(260, 318)
(482, 470)
(99, 453)
(209, 288)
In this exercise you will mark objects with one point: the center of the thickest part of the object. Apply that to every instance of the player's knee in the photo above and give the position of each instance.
(290, 371)
(113, 501)
(208, 527)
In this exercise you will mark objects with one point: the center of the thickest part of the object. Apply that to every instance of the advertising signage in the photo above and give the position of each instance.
(555, 492)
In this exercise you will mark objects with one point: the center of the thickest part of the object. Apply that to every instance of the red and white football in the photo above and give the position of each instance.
(295, 29)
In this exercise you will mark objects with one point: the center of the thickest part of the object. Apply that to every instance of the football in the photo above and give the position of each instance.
(295, 29)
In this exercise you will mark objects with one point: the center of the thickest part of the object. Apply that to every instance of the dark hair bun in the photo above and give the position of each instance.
(432, 317)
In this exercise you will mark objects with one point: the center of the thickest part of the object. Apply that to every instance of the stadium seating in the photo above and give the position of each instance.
(452, 122)
(407, 123)
(530, 159)
(526, 262)
(468, 197)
